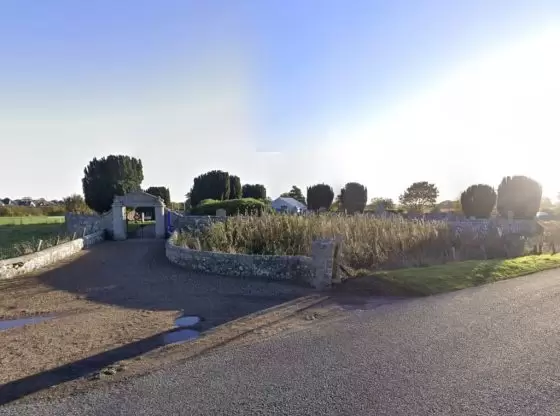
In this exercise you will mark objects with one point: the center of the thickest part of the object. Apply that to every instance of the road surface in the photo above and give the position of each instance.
(493, 350)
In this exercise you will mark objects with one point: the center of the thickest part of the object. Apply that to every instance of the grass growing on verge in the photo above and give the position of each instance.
(460, 275)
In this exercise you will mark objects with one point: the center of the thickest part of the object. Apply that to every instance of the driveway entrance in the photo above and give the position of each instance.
(125, 227)
(111, 302)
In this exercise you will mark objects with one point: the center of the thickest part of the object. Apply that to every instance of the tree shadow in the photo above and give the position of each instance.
(72, 371)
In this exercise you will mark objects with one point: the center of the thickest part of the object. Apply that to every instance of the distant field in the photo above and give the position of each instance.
(21, 235)
(31, 220)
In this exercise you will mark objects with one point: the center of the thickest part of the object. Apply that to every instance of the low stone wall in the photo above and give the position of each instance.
(521, 227)
(18, 266)
(193, 222)
(316, 271)
(76, 223)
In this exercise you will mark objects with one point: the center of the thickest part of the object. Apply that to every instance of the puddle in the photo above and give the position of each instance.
(14, 323)
(186, 321)
(182, 334)
(179, 336)
(94, 363)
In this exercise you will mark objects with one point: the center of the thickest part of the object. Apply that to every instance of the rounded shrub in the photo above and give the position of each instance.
(521, 195)
(242, 206)
(478, 201)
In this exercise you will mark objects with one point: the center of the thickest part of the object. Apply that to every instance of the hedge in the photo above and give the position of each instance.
(244, 206)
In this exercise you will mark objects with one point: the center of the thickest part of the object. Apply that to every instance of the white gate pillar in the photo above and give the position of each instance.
(159, 213)
(119, 223)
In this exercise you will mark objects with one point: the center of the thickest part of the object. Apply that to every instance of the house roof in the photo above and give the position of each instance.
(290, 202)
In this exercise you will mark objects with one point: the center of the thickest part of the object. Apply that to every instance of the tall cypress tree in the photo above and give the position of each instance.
(109, 176)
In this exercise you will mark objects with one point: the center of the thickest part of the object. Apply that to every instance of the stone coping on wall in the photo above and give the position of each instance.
(18, 266)
(298, 269)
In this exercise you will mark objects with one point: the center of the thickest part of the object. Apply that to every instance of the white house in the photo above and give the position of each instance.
(290, 205)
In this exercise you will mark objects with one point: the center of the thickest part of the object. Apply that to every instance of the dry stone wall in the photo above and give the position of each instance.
(315, 271)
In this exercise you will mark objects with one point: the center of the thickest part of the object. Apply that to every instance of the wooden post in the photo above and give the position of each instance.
(57, 240)
(39, 245)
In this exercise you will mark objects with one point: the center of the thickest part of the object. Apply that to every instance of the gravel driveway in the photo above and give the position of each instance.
(116, 294)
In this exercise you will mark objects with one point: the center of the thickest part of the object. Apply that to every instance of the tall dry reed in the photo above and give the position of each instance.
(368, 242)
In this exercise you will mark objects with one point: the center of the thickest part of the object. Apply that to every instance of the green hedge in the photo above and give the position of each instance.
(243, 206)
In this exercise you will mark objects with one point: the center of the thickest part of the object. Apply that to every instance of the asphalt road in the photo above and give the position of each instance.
(493, 350)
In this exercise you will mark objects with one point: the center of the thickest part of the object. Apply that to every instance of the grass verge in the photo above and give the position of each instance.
(454, 276)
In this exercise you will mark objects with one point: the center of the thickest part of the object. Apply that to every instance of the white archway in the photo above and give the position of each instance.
(137, 199)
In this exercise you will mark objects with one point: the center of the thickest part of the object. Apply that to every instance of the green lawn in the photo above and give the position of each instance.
(133, 226)
(17, 239)
(460, 275)
(31, 220)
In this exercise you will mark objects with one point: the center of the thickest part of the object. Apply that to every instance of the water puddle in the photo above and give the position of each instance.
(187, 321)
(179, 336)
(182, 334)
(15, 323)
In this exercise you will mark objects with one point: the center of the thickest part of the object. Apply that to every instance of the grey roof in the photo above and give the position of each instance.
(291, 201)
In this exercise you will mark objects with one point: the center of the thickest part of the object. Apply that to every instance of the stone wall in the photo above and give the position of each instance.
(316, 271)
(18, 266)
(92, 223)
(523, 227)
(192, 222)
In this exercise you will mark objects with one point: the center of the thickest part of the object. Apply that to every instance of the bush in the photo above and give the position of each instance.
(256, 191)
(109, 176)
(75, 203)
(235, 191)
(162, 192)
(354, 197)
(478, 201)
(520, 195)
(210, 185)
(208, 201)
(243, 206)
(319, 196)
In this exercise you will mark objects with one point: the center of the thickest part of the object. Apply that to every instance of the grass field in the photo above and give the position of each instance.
(31, 220)
(459, 275)
(21, 235)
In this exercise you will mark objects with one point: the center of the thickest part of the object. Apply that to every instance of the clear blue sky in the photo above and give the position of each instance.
(280, 92)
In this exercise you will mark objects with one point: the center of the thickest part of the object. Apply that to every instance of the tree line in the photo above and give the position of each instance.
(519, 196)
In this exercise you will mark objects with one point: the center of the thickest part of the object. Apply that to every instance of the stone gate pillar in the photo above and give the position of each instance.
(119, 223)
(159, 213)
(322, 255)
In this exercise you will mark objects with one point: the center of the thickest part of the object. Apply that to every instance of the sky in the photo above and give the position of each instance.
(280, 92)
